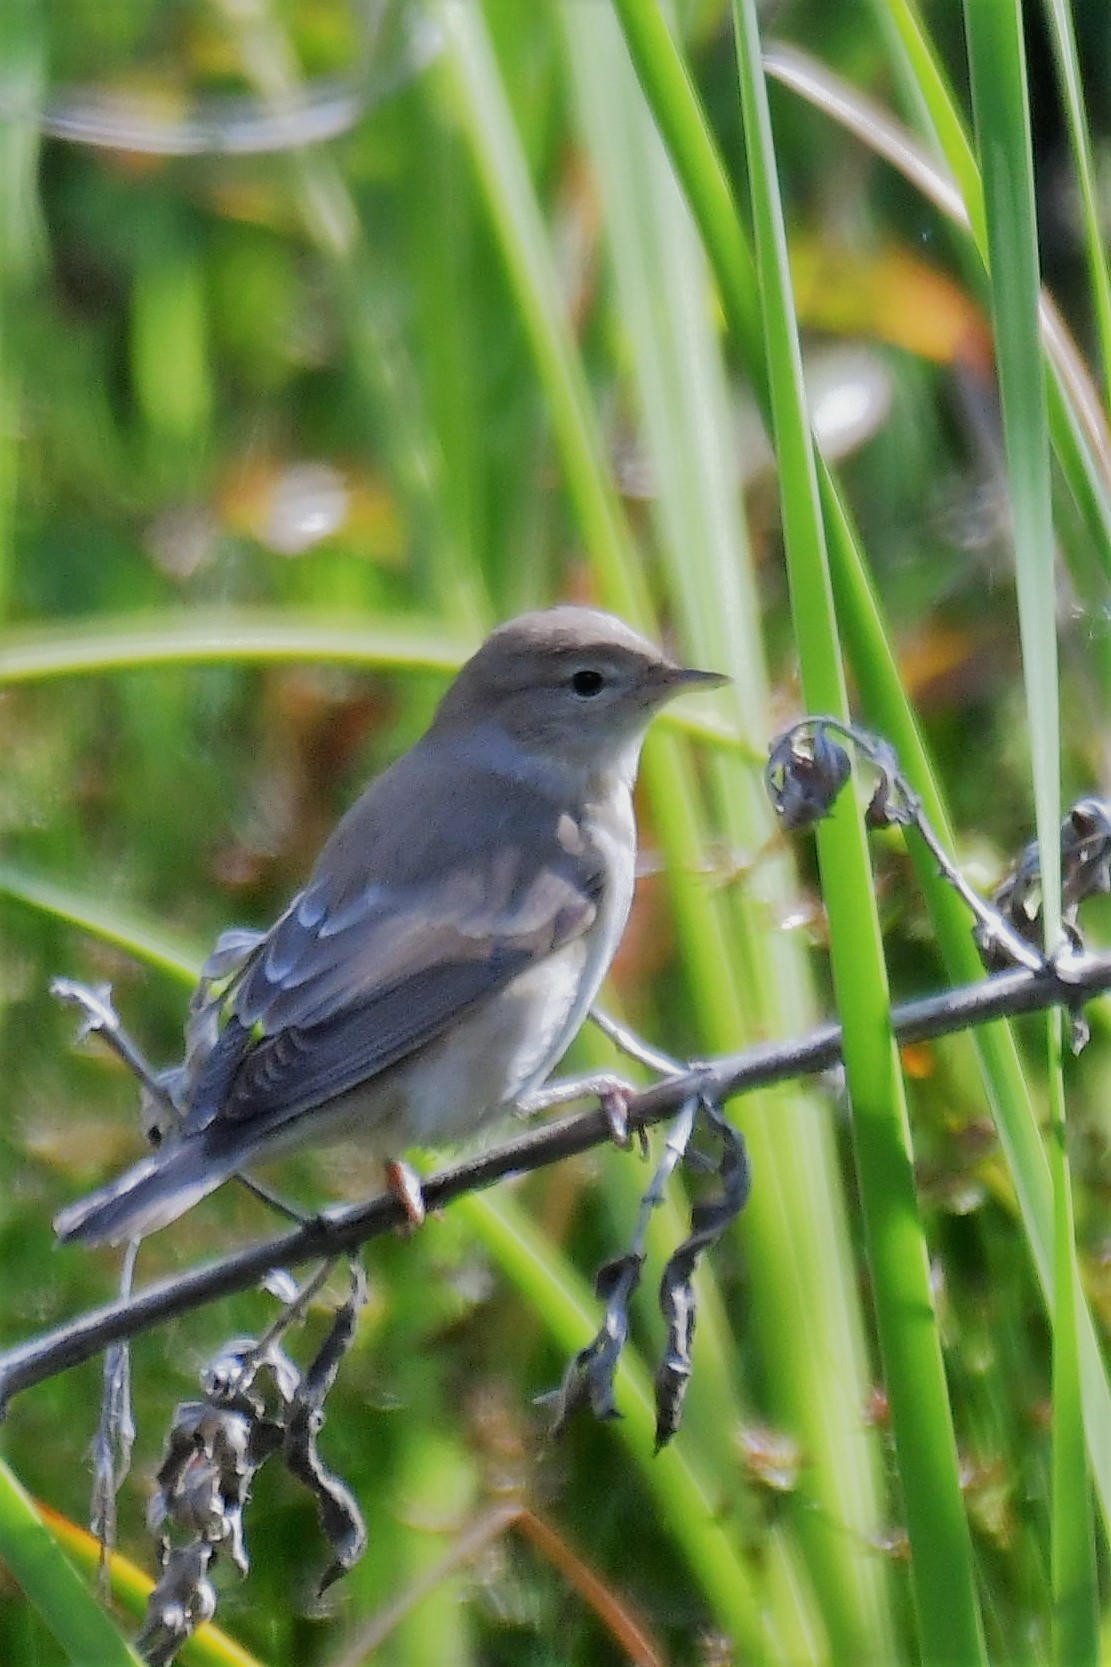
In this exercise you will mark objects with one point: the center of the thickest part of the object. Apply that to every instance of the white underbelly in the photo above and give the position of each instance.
(499, 1052)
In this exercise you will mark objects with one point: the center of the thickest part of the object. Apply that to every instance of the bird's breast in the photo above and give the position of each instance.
(496, 1053)
(507, 1046)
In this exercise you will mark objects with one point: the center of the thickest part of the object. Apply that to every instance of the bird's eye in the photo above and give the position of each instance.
(588, 683)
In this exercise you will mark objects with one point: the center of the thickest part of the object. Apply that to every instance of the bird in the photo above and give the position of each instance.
(449, 942)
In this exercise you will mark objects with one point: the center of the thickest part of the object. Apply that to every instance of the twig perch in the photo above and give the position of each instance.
(1072, 983)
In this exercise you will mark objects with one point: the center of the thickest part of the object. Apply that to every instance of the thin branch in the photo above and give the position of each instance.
(1069, 983)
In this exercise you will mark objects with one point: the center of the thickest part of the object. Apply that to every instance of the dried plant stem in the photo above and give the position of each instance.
(1068, 983)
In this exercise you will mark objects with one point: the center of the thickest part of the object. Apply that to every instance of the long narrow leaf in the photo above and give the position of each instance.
(1000, 99)
(699, 168)
(941, 1550)
(32, 1557)
(805, 1290)
(1063, 34)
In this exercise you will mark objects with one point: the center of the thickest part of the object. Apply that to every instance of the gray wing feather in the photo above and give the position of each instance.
(357, 976)
(289, 1073)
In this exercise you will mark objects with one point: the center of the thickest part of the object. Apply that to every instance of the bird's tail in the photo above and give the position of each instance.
(151, 1194)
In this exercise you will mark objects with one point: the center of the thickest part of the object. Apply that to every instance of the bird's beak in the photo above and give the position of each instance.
(676, 680)
(690, 678)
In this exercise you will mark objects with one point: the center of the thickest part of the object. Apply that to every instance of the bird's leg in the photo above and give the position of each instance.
(404, 1183)
(613, 1094)
(627, 1041)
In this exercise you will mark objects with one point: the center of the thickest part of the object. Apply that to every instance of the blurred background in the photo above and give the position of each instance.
(332, 333)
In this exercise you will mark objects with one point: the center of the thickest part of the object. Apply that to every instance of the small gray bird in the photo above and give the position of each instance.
(452, 936)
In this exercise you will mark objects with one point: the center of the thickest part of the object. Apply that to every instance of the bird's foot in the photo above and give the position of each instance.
(613, 1094)
(614, 1100)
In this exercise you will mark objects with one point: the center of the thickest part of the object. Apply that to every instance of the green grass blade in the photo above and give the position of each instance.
(1063, 34)
(220, 636)
(681, 391)
(901, 24)
(674, 104)
(1001, 103)
(33, 1559)
(1013, 1109)
(22, 238)
(1073, 1554)
(941, 1552)
(1077, 419)
(885, 703)
(153, 944)
(331, 218)
(526, 250)
(1002, 122)
(130, 1588)
(523, 240)
(1078, 425)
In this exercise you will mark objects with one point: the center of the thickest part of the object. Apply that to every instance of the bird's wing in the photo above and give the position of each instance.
(344, 987)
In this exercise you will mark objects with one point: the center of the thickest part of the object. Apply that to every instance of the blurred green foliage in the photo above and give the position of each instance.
(298, 384)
